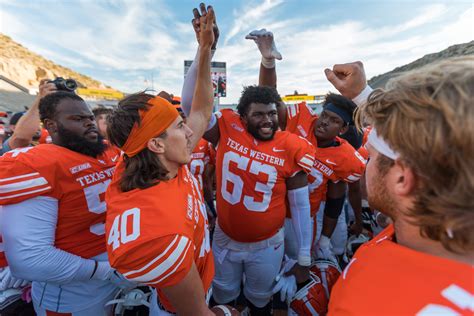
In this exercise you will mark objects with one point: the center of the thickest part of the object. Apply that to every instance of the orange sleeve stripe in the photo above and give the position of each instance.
(160, 265)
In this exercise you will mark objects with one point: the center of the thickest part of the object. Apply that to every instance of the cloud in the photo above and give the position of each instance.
(308, 51)
(249, 15)
(124, 43)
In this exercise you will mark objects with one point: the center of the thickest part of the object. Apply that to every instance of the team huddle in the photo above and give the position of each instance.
(102, 223)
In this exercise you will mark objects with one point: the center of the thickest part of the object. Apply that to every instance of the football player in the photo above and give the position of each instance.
(336, 163)
(258, 169)
(420, 174)
(54, 211)
(156, 219)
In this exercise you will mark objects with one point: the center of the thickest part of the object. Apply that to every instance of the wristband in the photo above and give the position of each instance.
(361, 99)
(268, 62)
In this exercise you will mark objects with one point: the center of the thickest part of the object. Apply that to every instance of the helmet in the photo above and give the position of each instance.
(354, 242)
(135, 299)
(8, 297)
(311, 299)
(328, 271)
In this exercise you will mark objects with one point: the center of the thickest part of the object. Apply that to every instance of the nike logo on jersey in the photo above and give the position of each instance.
(277, 150)
(330, 162)
(115, 158)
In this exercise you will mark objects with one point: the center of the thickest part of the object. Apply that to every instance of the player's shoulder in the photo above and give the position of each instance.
(297, 109)
(41, 158)
(111, 150)
(28, 172)
(370, 255)
(348, 154)
(293, 141)
(226, 114)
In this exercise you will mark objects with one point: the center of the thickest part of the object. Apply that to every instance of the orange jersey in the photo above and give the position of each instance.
(363, 152)
(155, 235)
(44, 138)
(336, 163)
(200, 158)
(251, 178)
(77, 181)
(366, 135)
(3, 259)
(300, 120)
(385, 278)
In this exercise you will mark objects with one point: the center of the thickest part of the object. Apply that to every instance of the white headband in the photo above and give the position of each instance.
(381, 146)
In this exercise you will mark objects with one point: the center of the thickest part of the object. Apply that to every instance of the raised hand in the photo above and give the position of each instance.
(45, 88)
(265, 43)
(196, 22)
(349, 79)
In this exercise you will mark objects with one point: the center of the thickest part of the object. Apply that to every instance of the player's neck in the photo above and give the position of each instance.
(326, 143)
(172, 168)
(408, 235)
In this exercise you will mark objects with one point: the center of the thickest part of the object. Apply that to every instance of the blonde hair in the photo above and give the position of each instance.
(427, 116)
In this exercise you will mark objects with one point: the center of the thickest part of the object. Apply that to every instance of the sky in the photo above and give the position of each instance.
(132, 45)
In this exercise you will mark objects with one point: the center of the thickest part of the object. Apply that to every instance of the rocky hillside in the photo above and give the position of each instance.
(26, 68)
(456, 50)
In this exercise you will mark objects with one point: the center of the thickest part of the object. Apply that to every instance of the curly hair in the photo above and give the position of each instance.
(144, 169)
(427, 116)
(49, 103)
(257, 94)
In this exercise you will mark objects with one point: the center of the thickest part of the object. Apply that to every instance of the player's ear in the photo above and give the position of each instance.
(51, 126)
(156, 145)
(344, 129)
(405, 179)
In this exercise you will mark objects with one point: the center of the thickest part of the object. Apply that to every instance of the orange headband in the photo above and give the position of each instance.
(154, 121)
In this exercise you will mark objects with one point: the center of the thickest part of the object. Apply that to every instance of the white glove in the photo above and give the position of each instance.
(7, 281)
(266, 45)
(286, 284)
(324, 249)
(106, 273)
(287, 287)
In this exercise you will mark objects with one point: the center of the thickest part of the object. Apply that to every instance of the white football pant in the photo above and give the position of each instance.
(255, 264)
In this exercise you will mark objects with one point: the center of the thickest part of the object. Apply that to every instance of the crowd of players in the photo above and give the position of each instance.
(162, 203)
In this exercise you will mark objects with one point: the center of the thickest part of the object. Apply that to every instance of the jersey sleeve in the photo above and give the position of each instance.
(303, 152)
(20, 181)
(3, 258)
(160, 262)
(353, 167)
(299, 119)
(212, 154)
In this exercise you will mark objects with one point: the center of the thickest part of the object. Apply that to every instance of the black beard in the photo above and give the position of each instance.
(254, 132)
(79, 144)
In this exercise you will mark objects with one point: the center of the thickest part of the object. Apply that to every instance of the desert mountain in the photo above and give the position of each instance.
(26, 68)
(456, 50)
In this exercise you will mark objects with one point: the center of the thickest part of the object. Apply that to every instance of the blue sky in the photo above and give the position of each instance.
(125, 43)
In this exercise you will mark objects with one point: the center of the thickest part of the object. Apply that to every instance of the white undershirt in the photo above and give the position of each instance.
(29, 230)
